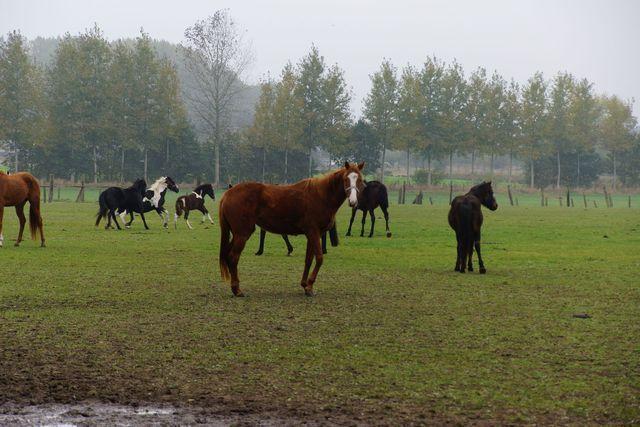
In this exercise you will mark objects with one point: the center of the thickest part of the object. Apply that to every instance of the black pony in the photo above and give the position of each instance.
(373, 195)
(194, 201)
(333, 237)
(465, 217)
(153, 200)
(117, 199)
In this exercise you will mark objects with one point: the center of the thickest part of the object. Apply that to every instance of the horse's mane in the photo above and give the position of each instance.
(157, 183)
(321, 181)
(481, 188)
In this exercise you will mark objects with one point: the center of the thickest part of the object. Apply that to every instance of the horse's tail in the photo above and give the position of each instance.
(466, 223)
(179, 206)
(35, 219)
(225, 245)
(102, 211)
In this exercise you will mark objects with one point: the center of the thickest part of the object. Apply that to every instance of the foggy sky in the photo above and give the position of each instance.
(599, 40)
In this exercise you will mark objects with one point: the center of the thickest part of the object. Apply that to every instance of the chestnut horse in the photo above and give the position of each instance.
(465, 217)
(16, 190)
(307, 207)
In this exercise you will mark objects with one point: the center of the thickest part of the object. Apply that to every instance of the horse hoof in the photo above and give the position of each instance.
(388, 234)
(258, 253)
(16, 244)
(308, 293)
(470, 269)
(239, 295)
(461, 271)
(483, 270)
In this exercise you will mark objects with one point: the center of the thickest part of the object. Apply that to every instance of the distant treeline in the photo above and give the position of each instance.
(82, 107)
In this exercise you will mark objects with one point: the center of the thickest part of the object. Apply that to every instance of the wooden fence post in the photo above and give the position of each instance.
(430, 201)
(542, 198)
(595, 205)
(629, 201)
(44, 194)
(400, 196)
(450, 191)
(510, 196)
(568, 198)
(584, 197)
(560, 200)
(546, 201)
(50, 188)
(610, 200)
(517, 204)
(80, 197)
(606, 197)
(404, 192)
(572, 202)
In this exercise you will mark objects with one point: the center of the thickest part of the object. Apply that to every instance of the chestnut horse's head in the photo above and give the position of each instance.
(353, 181)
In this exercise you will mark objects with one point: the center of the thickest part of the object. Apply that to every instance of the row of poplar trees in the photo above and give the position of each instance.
(99, 110)
(435, 112)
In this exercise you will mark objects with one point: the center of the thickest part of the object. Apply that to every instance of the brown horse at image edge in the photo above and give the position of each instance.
(307, 207)
(16, 190)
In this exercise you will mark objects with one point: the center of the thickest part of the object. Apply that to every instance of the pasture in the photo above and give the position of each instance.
(393, 334)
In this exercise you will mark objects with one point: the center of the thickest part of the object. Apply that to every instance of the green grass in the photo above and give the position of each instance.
(393, 333)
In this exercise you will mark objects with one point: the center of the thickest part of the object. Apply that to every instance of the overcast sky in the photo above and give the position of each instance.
(599, 40)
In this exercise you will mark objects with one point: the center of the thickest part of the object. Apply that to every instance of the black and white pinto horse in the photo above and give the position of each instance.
(373, 195)
(118, 199)
(154, 200)
(194, 201)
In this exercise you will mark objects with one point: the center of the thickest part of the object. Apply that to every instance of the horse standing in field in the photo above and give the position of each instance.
(307, 207)
(16, 190)
(194, 201)
(465, 217)
(118, 199)
(373, 195)
(333, 236)
(153, 200)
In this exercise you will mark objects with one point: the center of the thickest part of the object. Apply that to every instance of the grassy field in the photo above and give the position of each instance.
(392, 335)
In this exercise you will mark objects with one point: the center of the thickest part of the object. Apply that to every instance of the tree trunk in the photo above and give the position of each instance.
(216, 136)
(384, 152)
(532, 180)
(450, 165)
(614, 170)
(473, 163)
(578, 180)
(146, 162)
(510, 164)
(558, 162)
(16, 157)
(492, 157)
(264, 161)
(408, 165)
(286, 165)
(122, 166)
(95, 165)
(310, 151)
(429, 169)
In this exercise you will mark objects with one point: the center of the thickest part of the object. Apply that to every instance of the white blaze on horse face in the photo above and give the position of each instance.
(353, 194)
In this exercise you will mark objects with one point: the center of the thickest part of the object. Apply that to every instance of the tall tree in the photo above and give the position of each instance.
(217, 57)
(582, 117)
(452, 108)
(510, 123)
(534, 120)
(477, 109)
(21, 104)
(409, 114)
(310, 91)
(336, 113)
(262, 132)
(430, 144)
(288, 121)
(616, 129)
(558, 117)
(380, 107)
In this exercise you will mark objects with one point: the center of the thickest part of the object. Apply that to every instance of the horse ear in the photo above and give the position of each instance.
(346, 164)
(361, 165)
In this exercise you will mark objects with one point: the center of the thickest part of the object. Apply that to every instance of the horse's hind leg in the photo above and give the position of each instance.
(386, 219)
(353, 215)
(470, 263)
(263, 234)
(237, 245)
(314, 243)
(186, 218)
(459, 251)
(112, 214)
(373, 222)
(364, 220)
(288, 243)
(22, 220)
(480, 263)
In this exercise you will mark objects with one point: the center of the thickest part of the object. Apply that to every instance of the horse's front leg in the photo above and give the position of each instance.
(364, 220)
(144, 221)
(307, 265)
(1, 216)
(353, 215)
(373, 222)
(313, 241)
(480, 263)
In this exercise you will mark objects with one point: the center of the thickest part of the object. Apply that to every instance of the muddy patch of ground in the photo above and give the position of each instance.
(96, 413)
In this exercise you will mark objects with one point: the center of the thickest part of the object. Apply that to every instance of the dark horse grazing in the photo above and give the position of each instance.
(333, 236)
(153, 200)
(307, 207)
(194, 201)
(465, 217)
(373, 195)
(117, 199)
(16, 190)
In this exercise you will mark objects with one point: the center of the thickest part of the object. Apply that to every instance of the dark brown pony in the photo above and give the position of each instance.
(194, 201)
(307, 207)
(465, 217)
(16, 190)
